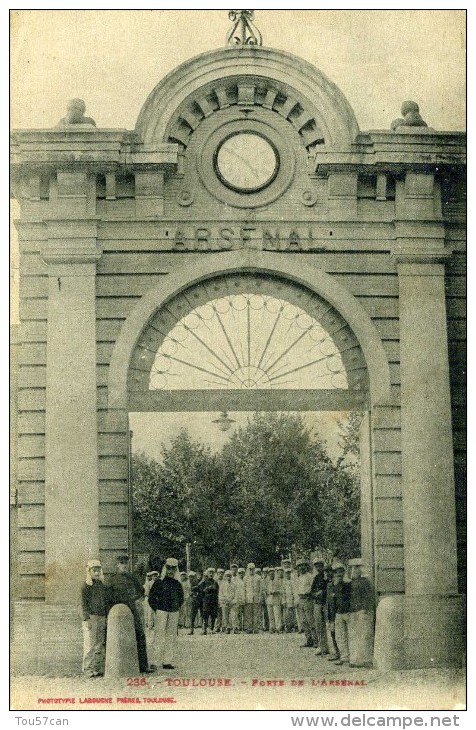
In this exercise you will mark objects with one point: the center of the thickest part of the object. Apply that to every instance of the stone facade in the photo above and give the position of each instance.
(115, 223)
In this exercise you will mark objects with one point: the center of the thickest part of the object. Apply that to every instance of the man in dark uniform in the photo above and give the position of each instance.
(210, 590)
(94, 606)
(319, 593)
(331, 617)
(196, 599)
(166, 598)
(342, 606)
(126, 588)
(362, 608)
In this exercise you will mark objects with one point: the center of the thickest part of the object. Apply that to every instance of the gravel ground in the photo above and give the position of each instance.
(267, 672)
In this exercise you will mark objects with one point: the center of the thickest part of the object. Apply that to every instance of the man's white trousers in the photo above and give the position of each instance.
(166, 625)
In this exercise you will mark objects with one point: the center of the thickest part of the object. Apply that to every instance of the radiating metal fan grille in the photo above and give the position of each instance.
(244, 332)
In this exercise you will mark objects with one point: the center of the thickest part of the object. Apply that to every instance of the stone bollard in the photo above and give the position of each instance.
(121, 645)
(389, 651)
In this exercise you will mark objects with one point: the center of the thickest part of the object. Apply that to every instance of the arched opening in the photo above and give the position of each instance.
(242, 332)
(245, 343)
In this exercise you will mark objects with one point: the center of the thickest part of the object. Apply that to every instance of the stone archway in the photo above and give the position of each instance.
(128, 389)
(116, 223)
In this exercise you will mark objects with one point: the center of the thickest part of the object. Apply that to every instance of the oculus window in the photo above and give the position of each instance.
(246, 162)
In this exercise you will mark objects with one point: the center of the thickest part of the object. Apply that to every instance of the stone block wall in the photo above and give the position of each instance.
(138, 253)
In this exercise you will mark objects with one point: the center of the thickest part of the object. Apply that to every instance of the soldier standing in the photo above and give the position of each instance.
(362, 608)
(280, 579)
(275, 590)
(330, 617)
(196, 599)
(319, 593)
(219, 579)
(342, 609)
(166, 599)
(125, 588)
(226, 599)
(240, 601)
(264, 607)
(253, 599)
(94, 607)
(184, 615)
(289, 603)
(209, 600)
(306, 603)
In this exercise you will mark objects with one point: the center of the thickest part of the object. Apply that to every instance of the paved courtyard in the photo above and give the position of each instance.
(262, 672)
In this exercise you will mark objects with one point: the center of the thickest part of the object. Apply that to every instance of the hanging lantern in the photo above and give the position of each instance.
(224, 422)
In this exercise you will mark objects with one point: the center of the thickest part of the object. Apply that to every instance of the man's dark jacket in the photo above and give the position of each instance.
(95, 599)
(342, 597)
(125, 588)
(166, 595)
(319, 588)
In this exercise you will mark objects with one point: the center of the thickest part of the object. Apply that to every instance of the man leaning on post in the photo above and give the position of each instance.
(126, 588)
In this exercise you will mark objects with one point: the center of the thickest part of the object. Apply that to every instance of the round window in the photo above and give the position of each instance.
(246, 162)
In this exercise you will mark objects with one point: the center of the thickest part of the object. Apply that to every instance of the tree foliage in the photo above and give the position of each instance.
(271, 490)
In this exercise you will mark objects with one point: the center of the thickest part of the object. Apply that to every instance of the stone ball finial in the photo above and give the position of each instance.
(411, 116)
(75, 114)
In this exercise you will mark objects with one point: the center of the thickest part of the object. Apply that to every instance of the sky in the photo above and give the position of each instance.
(153, 430)
(114, 58)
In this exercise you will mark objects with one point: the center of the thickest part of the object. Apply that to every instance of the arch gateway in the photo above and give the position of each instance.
(123, 234)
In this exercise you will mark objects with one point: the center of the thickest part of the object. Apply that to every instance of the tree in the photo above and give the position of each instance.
(350, 437)
(272, 489)
(157, 521)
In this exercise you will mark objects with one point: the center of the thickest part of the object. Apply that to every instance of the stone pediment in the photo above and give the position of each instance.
(245, 78)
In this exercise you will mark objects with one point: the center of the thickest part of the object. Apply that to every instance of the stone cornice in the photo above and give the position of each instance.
(387, 151)
(87, 148)
(108, 150)
(430, 255)
(71, 251)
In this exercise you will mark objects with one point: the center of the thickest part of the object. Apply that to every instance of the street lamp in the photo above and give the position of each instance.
(224, 422)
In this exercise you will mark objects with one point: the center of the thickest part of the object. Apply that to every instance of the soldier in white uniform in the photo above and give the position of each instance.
(253, 600)
(271, 575)
(280, 577)
(286, 563)
(219, 579)
(226, 600)
(306, 602)
(275, 591)
(184, 617)
(240, 601)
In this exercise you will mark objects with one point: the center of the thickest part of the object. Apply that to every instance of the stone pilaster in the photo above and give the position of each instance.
(366, 496)
(432, 610)
(343, 195)
(71, 492)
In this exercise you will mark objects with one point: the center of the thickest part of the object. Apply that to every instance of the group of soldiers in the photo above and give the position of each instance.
(331, 604)
(163, 598)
